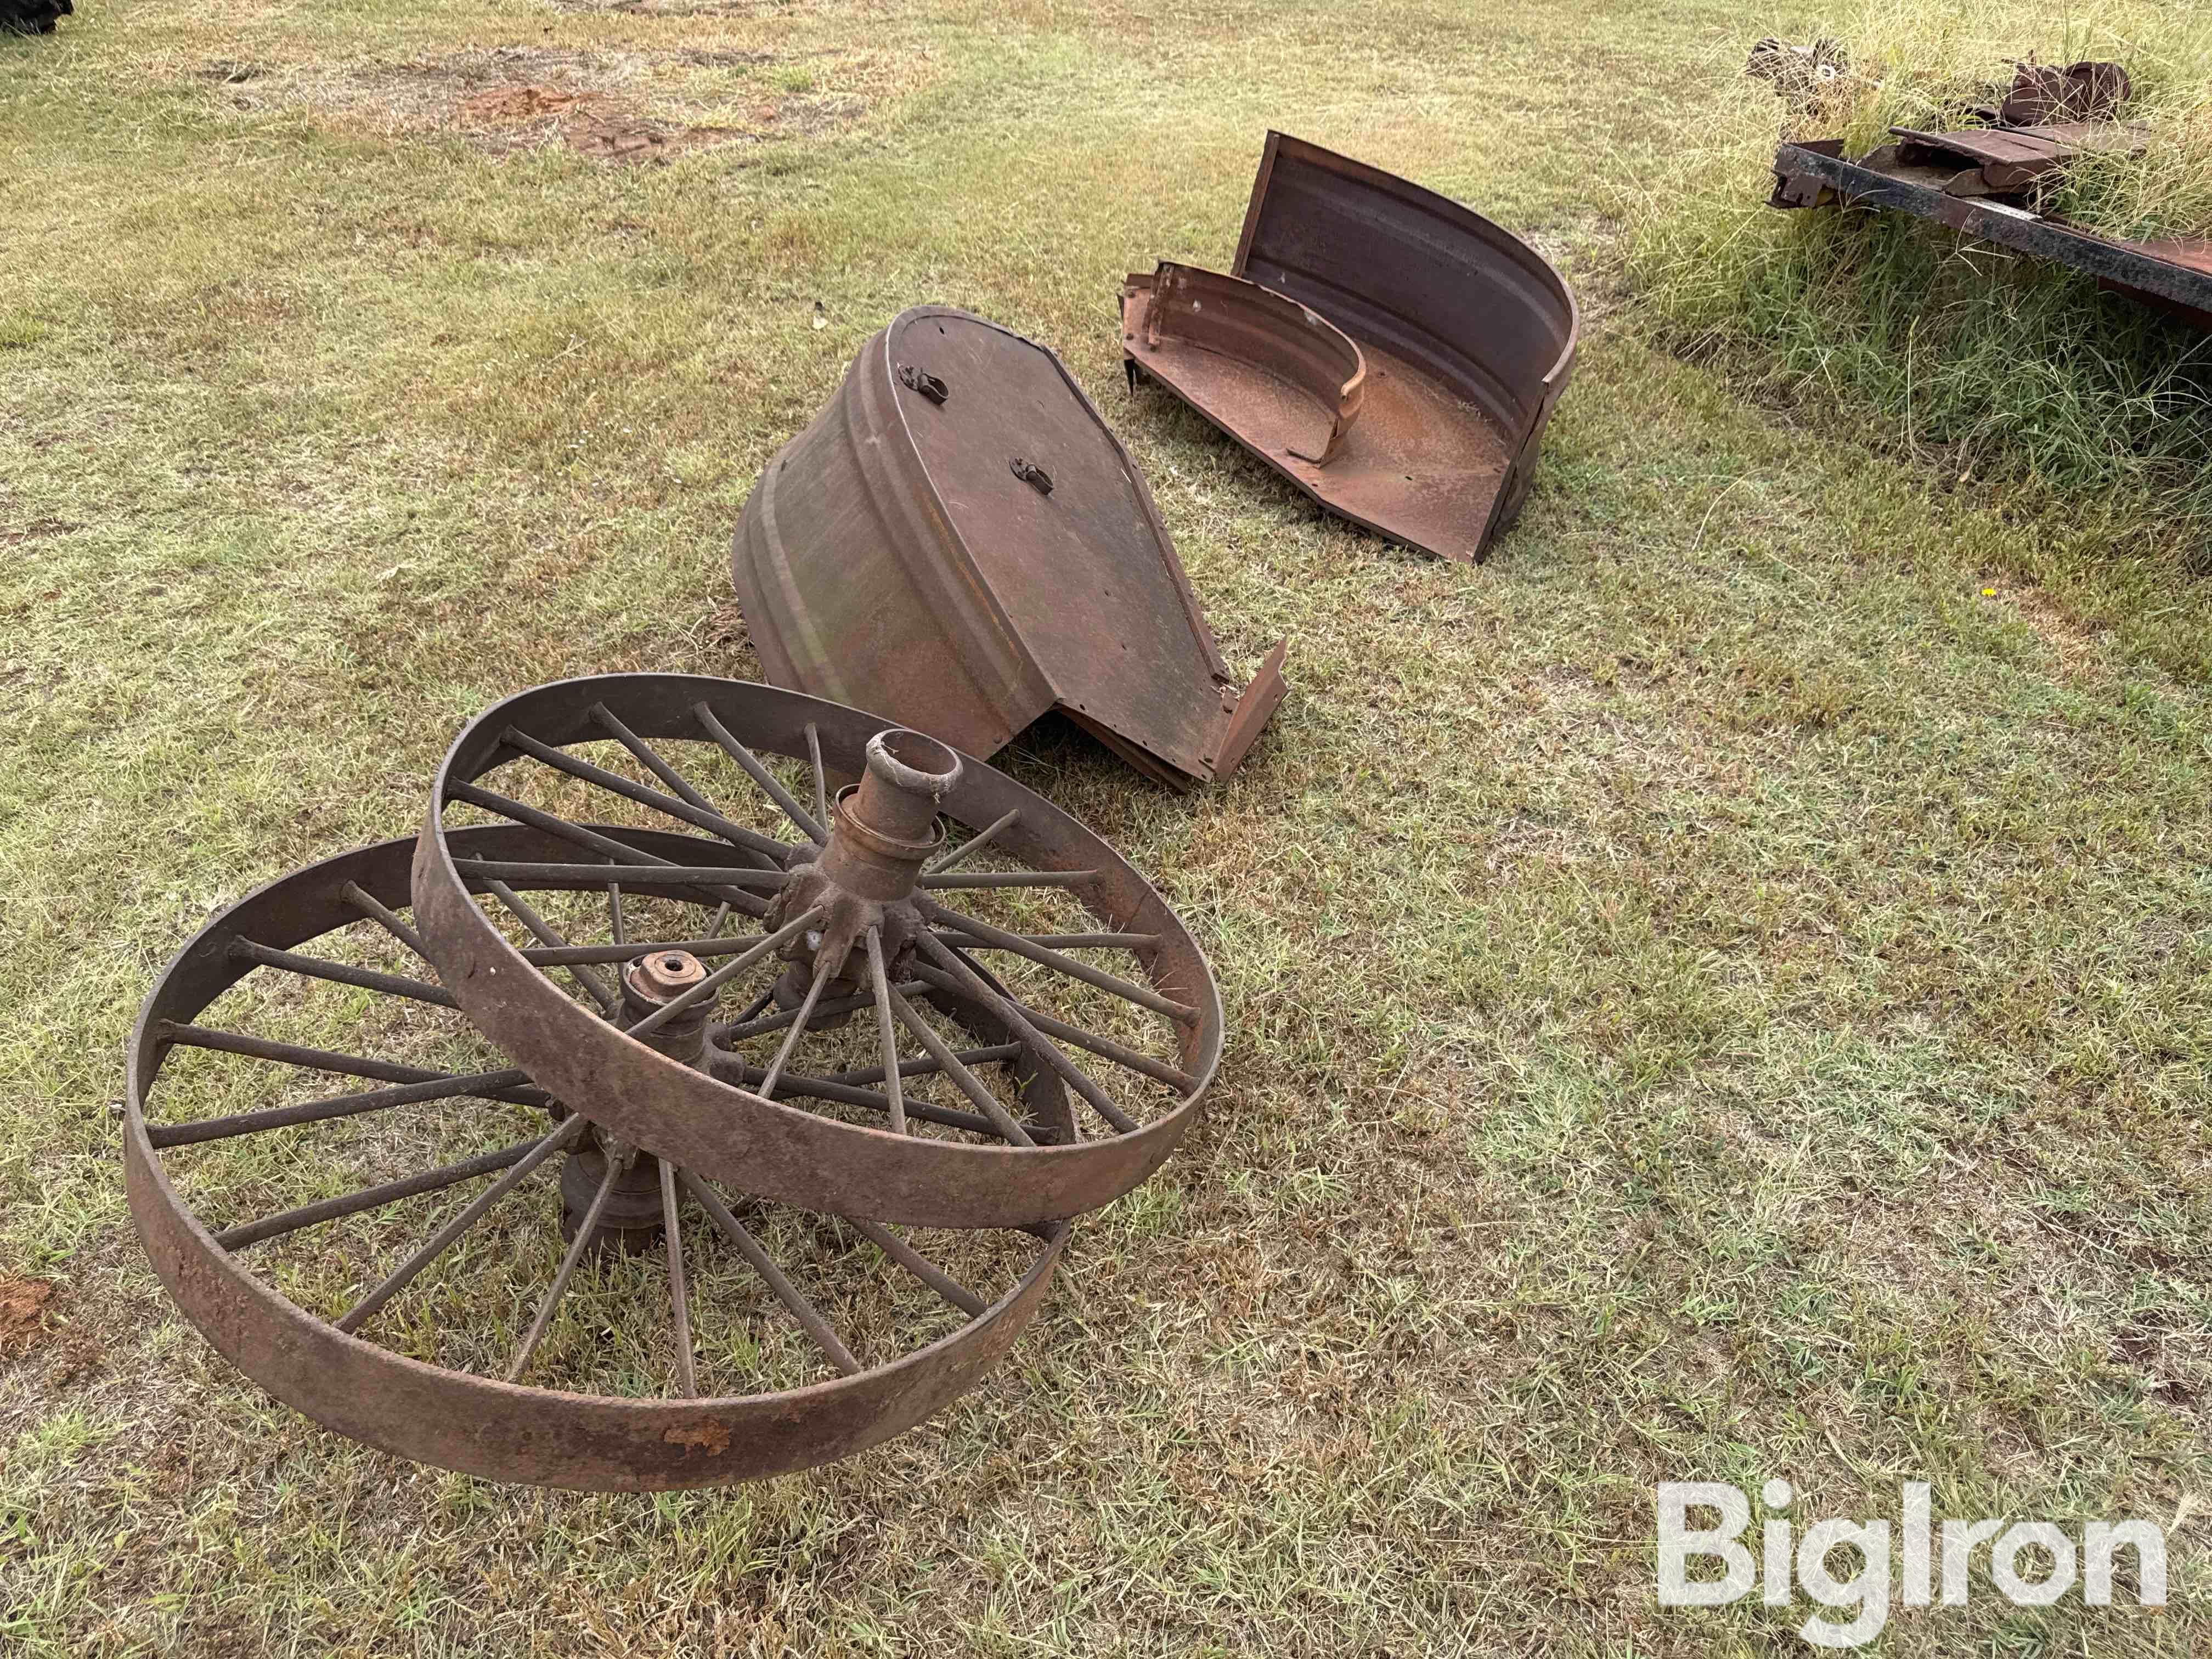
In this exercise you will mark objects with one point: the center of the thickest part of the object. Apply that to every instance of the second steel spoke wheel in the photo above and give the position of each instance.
(393, 1228)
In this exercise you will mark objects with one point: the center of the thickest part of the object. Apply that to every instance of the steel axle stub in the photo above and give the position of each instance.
(420, 1353)
(1074, 1076)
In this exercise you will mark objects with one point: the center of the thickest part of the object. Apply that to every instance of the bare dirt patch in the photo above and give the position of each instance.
(590, 124)
(613, 107)
(2078, 648)
(809, 116)
(610, 136)
(431, 95)
(37, 530)
(229, 72)
(25, 1314)
(679, 8)
(509, 105)
(2143, 1348)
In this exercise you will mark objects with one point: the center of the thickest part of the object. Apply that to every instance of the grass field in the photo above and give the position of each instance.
(1979, 364)
(1722, 991)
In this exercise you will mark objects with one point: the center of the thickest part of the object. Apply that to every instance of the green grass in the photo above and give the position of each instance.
(2074, 408)
(1723, 990)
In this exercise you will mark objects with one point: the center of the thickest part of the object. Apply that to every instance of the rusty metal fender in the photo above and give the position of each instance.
(1465, 334)
(960, 542)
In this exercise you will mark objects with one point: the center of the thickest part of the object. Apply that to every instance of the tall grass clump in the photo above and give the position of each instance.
(2014, 369)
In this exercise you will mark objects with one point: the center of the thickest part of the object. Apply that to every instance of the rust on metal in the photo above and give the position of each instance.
(2006, 160)
(1449, 341)
(2042, 93)
(959, 542)
(357, 1372)
(860, 917)
(1252, 361)
(2175, 277)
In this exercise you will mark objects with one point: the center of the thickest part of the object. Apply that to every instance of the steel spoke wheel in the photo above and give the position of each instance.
(393, 1228)
(927, 995)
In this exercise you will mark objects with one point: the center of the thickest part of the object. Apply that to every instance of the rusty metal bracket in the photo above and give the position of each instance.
(2087, 91)
(929, 386)
(1250, 360)
(2007, 161)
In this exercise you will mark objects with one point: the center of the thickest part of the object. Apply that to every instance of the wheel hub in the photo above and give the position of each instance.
(883, 832)
(651, 981)
(630, 1219)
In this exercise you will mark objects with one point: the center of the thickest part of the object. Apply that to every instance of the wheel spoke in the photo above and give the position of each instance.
(679, 1294)
(545, 934)
(760, 775)
(440, 1242)
(922, 1267)
(789, 1294)
(616, 931)
(714, 945)
(922, 1066)
(601, 875)
(323, 1059)
(1143, 995)
(741, 1029)
(615, 784)
(974, 984)
(821, 778)
(576, 835)
(797, 1025)
(660, 769)
(970, 1083)
(370, 1198)
(575, 1253)
(974, 844)
(339, 973)
(1104, 1047)
(485, 1084)
(886, 1030)
(1068, 941)
(368, 906)
(796, 1085)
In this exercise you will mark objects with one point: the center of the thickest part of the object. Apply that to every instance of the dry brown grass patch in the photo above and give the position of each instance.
(2078, 649)
(621, 106)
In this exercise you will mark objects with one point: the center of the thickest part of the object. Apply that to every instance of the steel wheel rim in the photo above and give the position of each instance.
(765, 1147)
(462, 1420)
